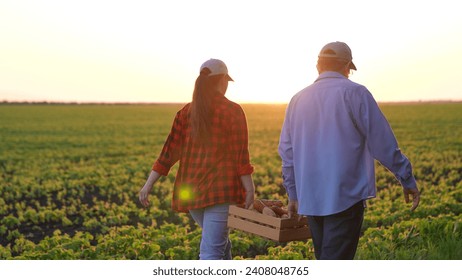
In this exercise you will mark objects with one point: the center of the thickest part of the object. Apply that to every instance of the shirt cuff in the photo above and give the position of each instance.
(245, 170)
(288, 177)
(159, 168)
(409, 182)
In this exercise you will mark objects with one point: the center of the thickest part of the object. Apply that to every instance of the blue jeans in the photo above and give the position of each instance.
(215, 244)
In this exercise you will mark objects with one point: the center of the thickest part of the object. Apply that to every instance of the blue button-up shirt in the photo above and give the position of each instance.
(332, 132)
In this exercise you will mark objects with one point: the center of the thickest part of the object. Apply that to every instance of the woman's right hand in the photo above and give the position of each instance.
(249, 198)
(249, 187)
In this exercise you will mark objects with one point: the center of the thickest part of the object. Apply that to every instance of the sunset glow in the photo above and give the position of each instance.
(150, 51)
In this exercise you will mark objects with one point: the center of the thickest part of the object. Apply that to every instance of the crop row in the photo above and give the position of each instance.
(70, 177)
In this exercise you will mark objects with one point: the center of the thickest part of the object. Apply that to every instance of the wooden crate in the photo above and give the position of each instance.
(282, 230)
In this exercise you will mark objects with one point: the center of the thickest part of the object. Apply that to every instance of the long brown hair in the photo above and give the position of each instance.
(201, 111)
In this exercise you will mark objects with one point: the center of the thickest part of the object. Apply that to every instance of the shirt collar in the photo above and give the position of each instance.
(218, 97)
(330, 74)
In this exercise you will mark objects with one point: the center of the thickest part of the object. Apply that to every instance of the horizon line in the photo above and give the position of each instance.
(179, 103)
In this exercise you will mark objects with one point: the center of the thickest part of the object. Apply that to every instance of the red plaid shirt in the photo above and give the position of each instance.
(208, 174)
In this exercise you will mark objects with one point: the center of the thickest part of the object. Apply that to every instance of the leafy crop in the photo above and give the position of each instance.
(70, 176)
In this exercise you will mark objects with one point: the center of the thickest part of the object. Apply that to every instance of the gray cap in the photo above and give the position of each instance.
(338, 50)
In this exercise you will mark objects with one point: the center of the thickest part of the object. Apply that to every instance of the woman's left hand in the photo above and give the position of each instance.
(144, 195)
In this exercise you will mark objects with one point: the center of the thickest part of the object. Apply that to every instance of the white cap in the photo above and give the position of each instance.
(216, 67)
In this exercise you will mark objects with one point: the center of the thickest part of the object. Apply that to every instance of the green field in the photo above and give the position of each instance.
(70, 176)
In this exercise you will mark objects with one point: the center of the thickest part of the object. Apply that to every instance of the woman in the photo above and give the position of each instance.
(209, 138)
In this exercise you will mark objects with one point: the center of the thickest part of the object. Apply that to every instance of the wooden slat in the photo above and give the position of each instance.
(254, 216)
(267, 226)
(301, 233)
(290, 223)
(265, 219)
(253, 228)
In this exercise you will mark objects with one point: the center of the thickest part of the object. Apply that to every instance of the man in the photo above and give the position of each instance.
(332, 132)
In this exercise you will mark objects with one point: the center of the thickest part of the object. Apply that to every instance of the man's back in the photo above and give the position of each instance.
(332, 133)
(329, 153)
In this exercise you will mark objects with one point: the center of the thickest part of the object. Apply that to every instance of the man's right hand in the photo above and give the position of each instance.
(292, 209)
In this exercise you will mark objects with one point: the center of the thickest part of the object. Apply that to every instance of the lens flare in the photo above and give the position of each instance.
(185, 193)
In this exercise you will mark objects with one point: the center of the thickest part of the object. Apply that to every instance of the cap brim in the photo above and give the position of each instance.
(229, 78)
(352, 65)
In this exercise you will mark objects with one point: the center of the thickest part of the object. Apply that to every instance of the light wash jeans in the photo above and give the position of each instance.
(215, 244)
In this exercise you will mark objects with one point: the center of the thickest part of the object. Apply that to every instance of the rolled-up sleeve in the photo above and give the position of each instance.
(172, 148)
(240, 144)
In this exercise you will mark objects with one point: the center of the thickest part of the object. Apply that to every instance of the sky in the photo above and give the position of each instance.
(151, 51)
